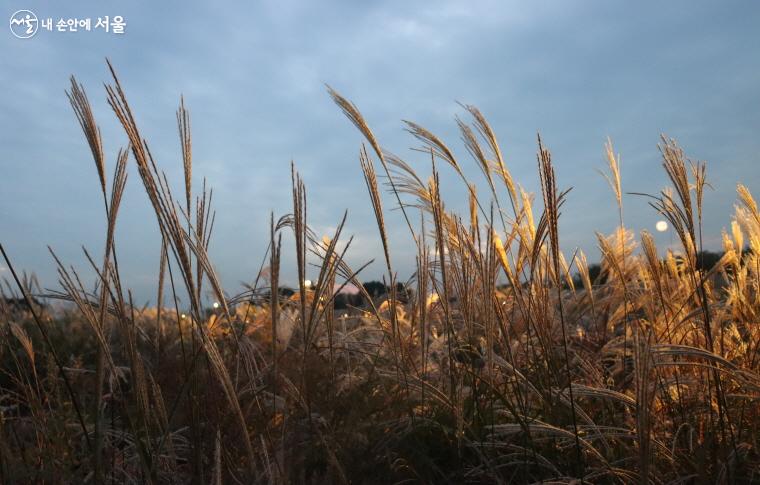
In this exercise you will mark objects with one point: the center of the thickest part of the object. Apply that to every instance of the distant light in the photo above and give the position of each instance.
(216, 304)
(345, 315)
(661, 226)
(307, 283)
(183, 316)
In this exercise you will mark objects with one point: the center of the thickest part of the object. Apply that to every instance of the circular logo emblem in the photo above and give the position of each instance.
(24, 24)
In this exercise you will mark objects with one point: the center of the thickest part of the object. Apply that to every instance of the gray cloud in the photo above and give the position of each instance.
(253, 77)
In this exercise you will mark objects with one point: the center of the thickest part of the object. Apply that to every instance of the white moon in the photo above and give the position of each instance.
(661, 226)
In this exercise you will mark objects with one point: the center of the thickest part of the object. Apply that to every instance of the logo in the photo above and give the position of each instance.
(24, 24)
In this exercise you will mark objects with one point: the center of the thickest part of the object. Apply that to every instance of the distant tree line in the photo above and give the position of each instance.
(377, 290)
(706, 260)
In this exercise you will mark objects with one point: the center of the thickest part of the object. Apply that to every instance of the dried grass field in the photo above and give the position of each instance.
(503, 359)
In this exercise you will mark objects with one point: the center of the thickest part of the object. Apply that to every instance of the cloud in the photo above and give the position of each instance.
(254, 81)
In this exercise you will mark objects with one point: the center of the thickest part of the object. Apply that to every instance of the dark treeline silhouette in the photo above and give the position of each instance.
(375, 289)
(706, 260)
(13, 304)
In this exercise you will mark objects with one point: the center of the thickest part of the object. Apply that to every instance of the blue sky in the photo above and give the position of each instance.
(253, 78)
